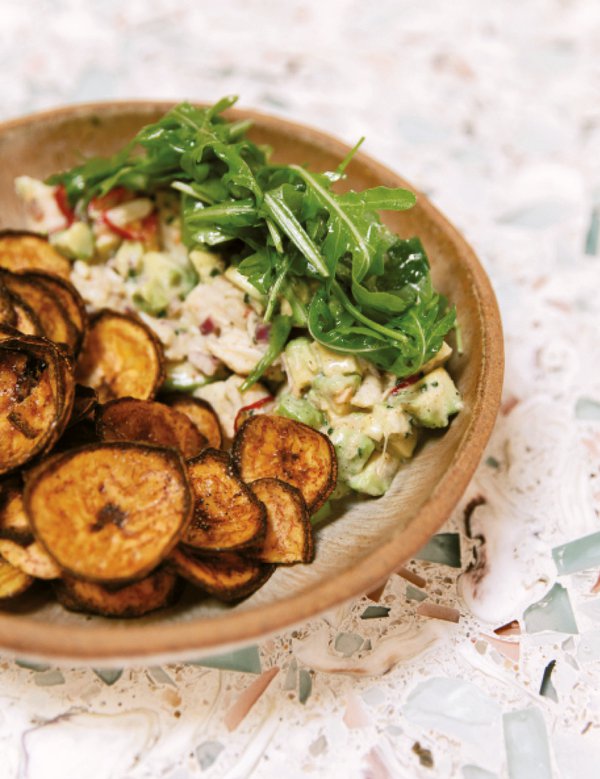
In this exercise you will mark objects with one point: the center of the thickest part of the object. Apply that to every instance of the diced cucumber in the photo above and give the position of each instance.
(384, 420)
(402, 445)
(181, 379)
(163, 279)
(334, 364)
(76, 242)
(375, 479)
(300, 410)
(129, 259)
(432, 400)
(301, 364)
(353, 449)
(206, 264)
(337, 389)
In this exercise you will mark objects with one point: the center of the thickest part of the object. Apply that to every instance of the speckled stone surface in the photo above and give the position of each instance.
(494, 110)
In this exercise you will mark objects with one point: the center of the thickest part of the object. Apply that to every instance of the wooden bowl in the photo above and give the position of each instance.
(367, 542)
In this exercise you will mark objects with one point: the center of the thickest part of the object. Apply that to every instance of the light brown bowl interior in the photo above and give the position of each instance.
(367, 542)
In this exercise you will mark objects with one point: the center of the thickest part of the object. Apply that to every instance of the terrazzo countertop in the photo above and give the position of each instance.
(494, 110)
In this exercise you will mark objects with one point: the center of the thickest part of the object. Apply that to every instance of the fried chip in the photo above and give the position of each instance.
(32, 559)
(156, 591)
(110, 512)
(8, 315)
(202, 415)
(228, 576)
(289, 537)
(280, 448)
(53, 318)
(34, 402)
(146, 421)
(14, 524)
(70, 300)
(121, 358)
(226, 513)
(24, 251)
(13, 582)
(26, 320)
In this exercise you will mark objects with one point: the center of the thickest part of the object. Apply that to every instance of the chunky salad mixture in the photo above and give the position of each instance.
(270, 291)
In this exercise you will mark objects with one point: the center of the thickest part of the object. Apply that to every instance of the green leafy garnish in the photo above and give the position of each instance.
(326, 256)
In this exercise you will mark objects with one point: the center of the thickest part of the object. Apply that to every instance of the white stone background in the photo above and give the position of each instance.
(494, 110)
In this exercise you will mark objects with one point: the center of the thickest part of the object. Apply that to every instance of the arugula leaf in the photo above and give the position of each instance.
(280, 330)
(355, 285)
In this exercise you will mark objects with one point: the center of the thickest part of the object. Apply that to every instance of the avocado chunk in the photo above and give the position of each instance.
(432, 400)
(76, 242)
(375, 479)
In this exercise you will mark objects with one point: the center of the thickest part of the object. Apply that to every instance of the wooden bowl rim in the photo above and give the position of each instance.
(124, 644)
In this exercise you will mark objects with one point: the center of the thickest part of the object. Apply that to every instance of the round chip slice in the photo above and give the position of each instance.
(8, 315)
(202, 415)
(109, 513)
(280, 448)
(145, 421)
(26, 320)
(289, 536)
(32, 559)
(70, 300)
(24, 251)
(228, 576)
(227, 515)
(121, 357)
(14, 524)
(50, 312)
(33, 398)
(13, 582)
(155, 591)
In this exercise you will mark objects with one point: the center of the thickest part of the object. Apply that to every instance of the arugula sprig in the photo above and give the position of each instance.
(323, 256)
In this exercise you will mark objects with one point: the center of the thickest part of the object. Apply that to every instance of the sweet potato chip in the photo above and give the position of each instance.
(84, 403)
(8, 314)
(54, 320)
(226, 513)
(14, 524)
(280, 448)
(228, 576)
(70, 300)
(23, 251)
(289, 537)
(13, 582)
(110, 512)
(155, 591)
(145, 421)
(121, 358)
(26, 320)
(33, 404)
(32, 559)
(202, 415)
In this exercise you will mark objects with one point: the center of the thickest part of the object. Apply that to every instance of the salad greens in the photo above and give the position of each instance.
(324, 257)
